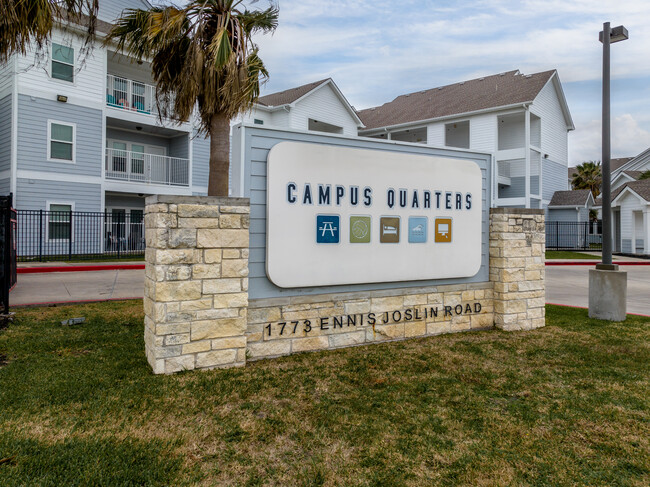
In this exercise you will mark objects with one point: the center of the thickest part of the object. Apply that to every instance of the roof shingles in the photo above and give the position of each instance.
(468, 96)
(288, 96)
(577, 197)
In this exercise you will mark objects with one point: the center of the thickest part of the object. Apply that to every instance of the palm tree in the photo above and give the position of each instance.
(25, 24)
(203, 56)
(588, 176)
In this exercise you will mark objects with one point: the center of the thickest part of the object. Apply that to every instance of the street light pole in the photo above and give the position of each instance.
(607, 285)
(607, 36)
(606, 154)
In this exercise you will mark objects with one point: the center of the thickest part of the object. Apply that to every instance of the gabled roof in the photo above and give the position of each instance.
(639, 188)
(640, 162)
(289, 96)
(614, 194)
(293, 95)
(578, 197)
(615, 164)
(633, 174)
(490, 92)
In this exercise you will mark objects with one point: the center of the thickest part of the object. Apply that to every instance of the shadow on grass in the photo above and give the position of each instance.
(88, 462)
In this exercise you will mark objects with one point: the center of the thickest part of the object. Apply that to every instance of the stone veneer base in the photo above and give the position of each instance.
(198, 314)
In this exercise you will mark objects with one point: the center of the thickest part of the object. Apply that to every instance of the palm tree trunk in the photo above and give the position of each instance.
(219, 155)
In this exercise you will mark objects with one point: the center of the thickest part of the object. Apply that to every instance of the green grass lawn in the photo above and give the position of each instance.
(568, 404)
(568, 254)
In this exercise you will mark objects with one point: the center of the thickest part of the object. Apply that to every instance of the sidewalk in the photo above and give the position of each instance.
(72, 287)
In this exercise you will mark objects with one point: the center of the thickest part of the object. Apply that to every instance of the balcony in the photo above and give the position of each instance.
(127, 94)
(139, 167)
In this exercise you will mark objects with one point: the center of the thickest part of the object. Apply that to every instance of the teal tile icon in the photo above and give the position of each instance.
(359, 229)
(417, 229)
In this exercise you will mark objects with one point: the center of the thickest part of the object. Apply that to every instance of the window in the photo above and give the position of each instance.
(62, 62)
(61, 141)
(58, 225)
(257, 121)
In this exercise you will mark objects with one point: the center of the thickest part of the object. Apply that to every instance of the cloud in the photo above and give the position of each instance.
(628, 139)
(422, 44)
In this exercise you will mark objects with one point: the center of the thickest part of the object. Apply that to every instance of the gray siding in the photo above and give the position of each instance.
(33, 116)
(109, 10)
(179, 147)
(554, 178)
(626, 246)
(5, 133)
(517, 188)
(5, 187)
(137, 138)
(562, 215)
(258, 142)
(200, 160)
(32, 194)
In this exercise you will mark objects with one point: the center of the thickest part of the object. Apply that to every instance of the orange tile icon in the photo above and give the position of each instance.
(442, 230)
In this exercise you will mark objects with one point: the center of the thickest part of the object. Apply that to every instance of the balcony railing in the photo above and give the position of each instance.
(147, 168)
(130, 95)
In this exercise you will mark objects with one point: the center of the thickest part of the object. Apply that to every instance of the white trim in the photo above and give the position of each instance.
(14, 131)
(627, 188)
(48, 204)
(633, 164)
(190, 156)
(115, 186)
(49, 141)
(527, 157)
(56, 176)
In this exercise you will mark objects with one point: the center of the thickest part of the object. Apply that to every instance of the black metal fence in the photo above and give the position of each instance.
(574, 236)
(78, 235)
(7, 251)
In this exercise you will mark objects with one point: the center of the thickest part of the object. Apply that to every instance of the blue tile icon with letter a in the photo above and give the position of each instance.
(327, 228)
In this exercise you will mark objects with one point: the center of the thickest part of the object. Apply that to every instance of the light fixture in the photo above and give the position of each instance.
(616, 34)
(61, 98)
(138, 127)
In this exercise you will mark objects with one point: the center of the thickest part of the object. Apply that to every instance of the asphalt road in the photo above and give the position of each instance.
(564, 285)
(570, 285)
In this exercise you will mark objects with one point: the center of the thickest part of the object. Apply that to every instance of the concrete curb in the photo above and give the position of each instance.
(589, 262)
(78, 268)
(84, 301)
(582, 307)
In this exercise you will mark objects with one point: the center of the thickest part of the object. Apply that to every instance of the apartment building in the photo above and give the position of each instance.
(523, 120)
(84, 134)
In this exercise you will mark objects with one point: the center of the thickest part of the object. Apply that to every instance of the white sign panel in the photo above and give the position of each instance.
(338, 215)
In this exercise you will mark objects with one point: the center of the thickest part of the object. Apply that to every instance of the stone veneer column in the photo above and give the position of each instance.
(517, 244)
(196, 282)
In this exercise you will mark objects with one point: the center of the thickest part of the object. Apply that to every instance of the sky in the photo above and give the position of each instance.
(376, 50)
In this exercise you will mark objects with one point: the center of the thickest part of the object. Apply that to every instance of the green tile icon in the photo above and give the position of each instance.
(359, 229)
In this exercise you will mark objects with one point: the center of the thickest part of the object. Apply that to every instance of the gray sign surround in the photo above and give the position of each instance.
(252, 145)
